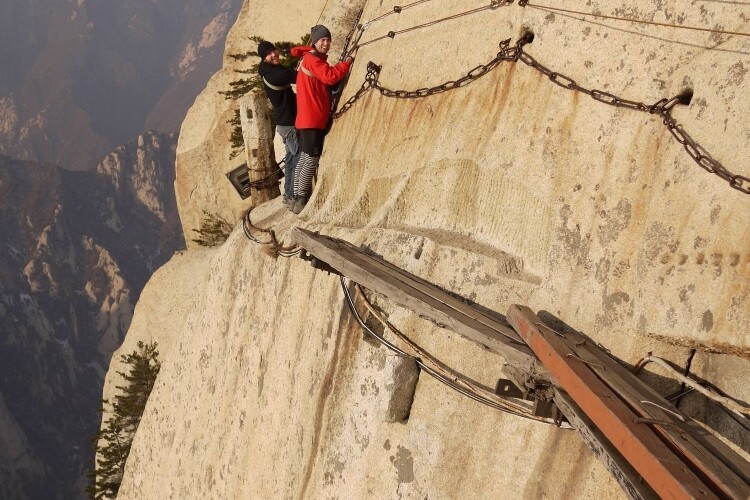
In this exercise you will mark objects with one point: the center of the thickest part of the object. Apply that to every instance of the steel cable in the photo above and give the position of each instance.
(396, 10)
(709, 393)
(392, 34)
(277, 249)
(637, 21)
(456, 382)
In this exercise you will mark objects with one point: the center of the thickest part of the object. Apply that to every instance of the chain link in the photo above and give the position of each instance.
(516, 53)
(267, 182)
(373, 71)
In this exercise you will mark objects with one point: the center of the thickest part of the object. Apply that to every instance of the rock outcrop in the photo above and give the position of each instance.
(510, 189)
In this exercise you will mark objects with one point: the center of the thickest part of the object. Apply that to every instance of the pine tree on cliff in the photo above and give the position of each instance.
(113, 441)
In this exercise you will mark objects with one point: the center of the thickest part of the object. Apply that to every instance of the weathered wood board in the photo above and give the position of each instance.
(425, 299)
(661, 444)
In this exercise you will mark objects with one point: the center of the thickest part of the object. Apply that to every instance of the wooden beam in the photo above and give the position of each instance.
(726, 471)
(661, 466)
(624, 473)
(424, 298)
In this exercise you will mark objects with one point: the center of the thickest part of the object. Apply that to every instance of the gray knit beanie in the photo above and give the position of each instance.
(317, 32)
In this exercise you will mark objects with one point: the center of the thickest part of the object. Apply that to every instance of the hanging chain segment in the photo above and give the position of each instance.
(516, 53)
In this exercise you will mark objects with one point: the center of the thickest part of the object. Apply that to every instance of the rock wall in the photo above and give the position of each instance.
(508, 190)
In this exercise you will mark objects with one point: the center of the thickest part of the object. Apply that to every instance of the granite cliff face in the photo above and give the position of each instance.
(78, 77)
(508, 190)
(77, 249)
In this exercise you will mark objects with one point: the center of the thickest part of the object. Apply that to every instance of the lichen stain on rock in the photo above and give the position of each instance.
(376, 359)
(708, 321)
(658, 239)
(574, 244)
(362, 438)
(734, 259)
(335, 470)
(616, 307)
(403, 461)
(617, 220)
(685, 292)
(736, 73)
(369, 387)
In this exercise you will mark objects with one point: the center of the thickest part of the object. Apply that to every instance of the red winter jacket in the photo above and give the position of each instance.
(313, 100)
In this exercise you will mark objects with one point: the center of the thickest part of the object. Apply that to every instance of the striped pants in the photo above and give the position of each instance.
(307, 167)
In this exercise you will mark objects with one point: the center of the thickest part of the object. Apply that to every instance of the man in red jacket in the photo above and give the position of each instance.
(314, 107)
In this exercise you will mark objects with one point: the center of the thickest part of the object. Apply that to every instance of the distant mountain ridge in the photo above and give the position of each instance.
(77, 249)
(78, 78)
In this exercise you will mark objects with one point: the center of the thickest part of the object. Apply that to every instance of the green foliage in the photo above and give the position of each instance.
(214, 230)
(236, 139)
(112, 443)
(240, 87)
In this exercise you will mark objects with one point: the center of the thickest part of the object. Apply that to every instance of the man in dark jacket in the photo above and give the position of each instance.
(313, 101)
(277, 82)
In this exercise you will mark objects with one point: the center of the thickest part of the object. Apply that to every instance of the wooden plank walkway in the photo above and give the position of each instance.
(422, 297)
(634, 431)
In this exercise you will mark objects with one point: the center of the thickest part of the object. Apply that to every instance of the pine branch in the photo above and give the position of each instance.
(113, 442)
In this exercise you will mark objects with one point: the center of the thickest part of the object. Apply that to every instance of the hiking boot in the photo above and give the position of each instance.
(299, 205)
(285, 200)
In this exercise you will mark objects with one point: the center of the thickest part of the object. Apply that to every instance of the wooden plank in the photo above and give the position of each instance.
(427, 288)
(436, 306)
(725, 469)
(662, 469)
(434, 295)
(727, 477)
(430, 289)
(624, 473)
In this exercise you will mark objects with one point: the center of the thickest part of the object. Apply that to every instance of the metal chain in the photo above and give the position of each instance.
(494, 4)
(373, 71)
(516, 53)
(267, 182)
